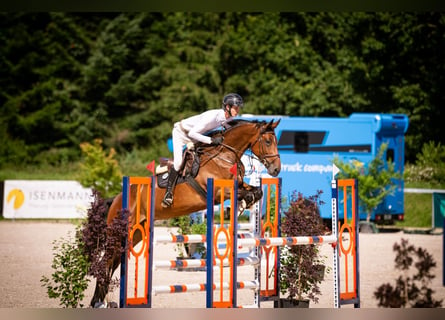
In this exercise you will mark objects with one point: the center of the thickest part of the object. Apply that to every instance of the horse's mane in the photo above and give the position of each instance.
(232, 124)
(259, 123)
(240, 122)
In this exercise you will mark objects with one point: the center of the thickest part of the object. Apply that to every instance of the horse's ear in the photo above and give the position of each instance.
(272, 125)
(269, 126)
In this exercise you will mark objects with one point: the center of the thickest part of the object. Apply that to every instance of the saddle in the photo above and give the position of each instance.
(188, 171)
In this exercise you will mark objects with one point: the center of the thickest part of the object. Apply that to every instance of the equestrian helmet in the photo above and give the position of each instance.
(232, 99)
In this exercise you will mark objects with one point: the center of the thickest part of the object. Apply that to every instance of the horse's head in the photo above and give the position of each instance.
(266, 149)
(259, 136)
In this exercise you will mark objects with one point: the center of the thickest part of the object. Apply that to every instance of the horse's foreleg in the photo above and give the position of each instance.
(247, 196)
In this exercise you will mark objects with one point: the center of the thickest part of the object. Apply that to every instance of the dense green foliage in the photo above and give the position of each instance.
(69, 78)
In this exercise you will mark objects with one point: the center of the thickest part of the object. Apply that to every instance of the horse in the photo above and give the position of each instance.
(214, 161)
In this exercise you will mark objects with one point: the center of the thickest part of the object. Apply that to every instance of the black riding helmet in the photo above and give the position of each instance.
(232, 99)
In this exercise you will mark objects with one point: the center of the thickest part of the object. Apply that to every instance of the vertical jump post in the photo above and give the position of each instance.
(271, 227)
(345, 193)
(215, 294)
(141, 297)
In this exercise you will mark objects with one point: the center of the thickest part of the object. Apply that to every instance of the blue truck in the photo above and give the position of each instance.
(308, 145)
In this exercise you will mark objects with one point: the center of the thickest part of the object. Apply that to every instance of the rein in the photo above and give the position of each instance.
(218, 152)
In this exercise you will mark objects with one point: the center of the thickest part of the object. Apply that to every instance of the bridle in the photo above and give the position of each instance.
(262, 157)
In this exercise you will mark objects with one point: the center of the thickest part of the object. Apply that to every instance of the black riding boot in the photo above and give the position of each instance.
(171, 183)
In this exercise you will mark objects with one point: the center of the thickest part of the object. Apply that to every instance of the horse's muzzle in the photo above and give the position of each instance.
(274, 170)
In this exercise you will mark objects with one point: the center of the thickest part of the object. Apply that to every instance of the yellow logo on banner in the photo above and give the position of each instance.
(18, 196)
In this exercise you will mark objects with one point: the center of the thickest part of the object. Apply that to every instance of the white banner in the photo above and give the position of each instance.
(45, 199)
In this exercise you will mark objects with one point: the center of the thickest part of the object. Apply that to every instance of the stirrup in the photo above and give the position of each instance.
(168, 200)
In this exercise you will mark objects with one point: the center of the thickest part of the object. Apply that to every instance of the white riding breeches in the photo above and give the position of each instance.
(179, 139)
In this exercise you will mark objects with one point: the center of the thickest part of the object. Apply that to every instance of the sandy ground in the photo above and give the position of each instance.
(26, 255)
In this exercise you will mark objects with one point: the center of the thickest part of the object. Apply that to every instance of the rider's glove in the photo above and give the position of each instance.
(217, 140)
(190, 146)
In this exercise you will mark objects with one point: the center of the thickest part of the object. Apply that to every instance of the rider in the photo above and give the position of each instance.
(190, 130)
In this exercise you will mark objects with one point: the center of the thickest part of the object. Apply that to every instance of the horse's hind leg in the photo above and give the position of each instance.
(100, 292)
(101, 289)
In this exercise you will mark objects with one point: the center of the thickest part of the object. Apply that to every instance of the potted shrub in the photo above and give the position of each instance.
(302, 267)
(197, 250)
(188, 225)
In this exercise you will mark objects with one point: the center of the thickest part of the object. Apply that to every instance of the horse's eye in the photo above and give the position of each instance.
(268, 142)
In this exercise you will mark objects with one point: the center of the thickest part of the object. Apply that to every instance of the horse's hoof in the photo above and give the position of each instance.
(112, 304)
(241, 207)
(99, 305)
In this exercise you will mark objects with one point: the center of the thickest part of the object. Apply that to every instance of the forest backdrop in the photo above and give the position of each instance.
(68, 78)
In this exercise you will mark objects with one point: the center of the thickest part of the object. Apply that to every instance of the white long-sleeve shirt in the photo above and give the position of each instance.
(196, 125)
(192, 129)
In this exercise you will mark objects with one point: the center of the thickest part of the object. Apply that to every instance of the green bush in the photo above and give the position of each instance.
(429, 166)
(100, 171)
(69, 279)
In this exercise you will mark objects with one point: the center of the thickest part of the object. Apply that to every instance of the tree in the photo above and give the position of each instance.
(68, 78)
(376, 181)
(41, 61)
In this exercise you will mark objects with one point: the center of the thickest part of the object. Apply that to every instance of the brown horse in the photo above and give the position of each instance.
(214, 162)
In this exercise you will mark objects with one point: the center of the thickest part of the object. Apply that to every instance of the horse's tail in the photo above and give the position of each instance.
(107, 203)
